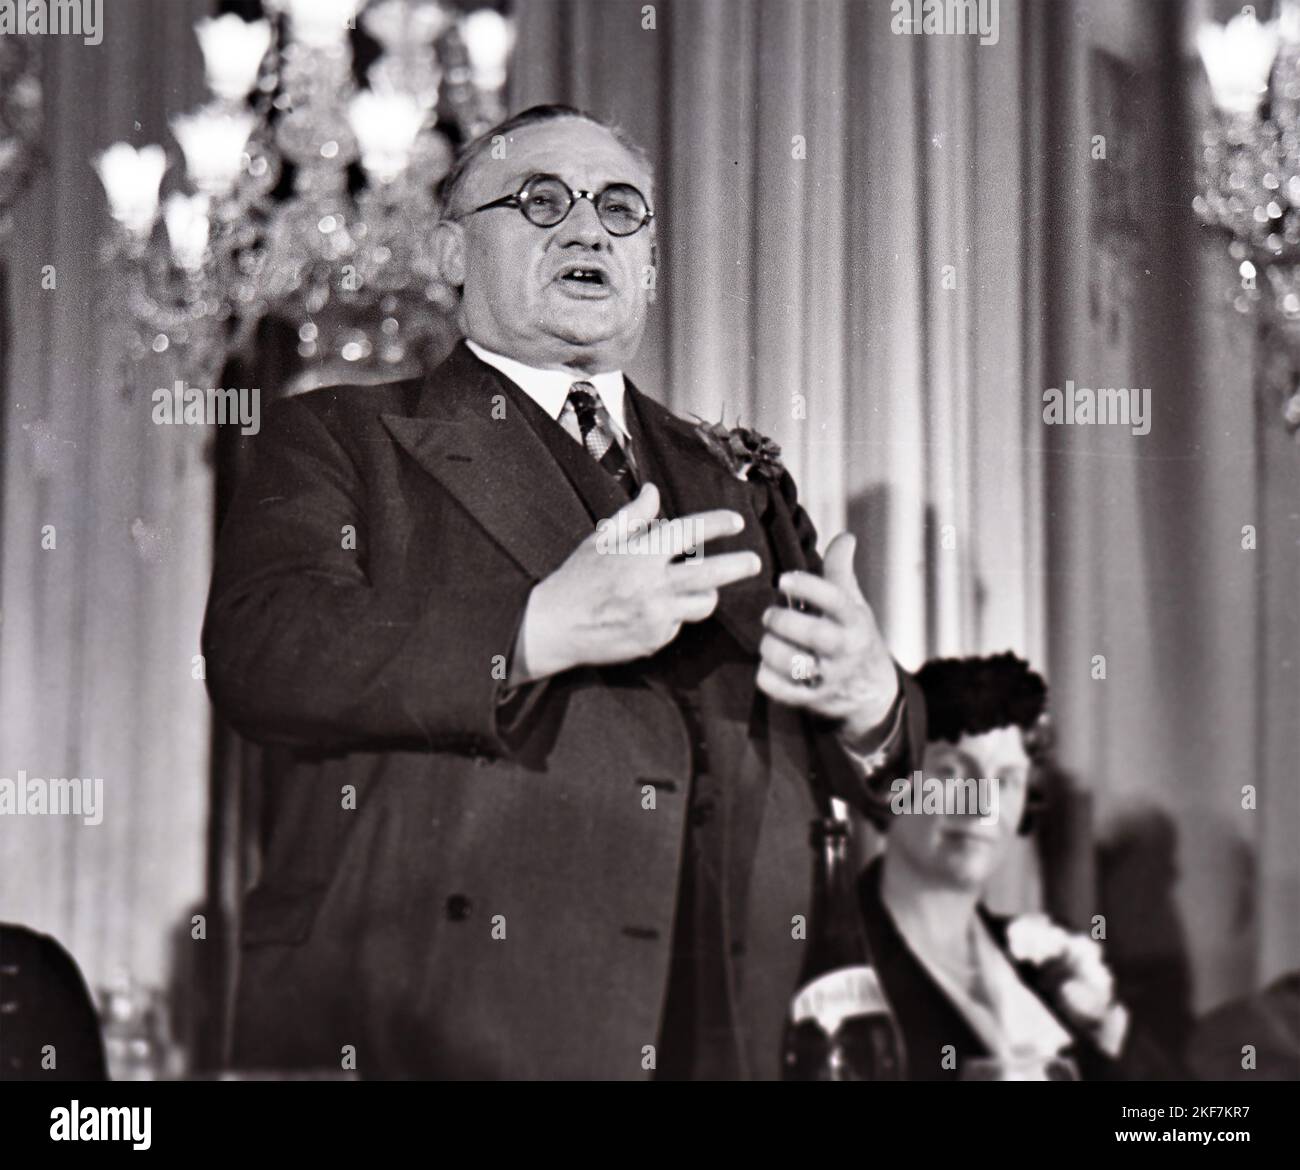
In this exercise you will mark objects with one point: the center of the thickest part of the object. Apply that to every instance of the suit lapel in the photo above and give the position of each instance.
(539, 499)
(928, 1018)
(695, 481)
(493, 463)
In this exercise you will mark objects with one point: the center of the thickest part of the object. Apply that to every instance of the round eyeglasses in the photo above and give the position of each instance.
(546, 200)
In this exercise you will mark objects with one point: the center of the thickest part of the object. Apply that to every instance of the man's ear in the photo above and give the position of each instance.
(449, 251)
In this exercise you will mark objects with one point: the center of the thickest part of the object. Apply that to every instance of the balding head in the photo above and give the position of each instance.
(451, 187)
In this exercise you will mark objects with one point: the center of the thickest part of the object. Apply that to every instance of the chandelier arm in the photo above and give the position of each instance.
(297, 236)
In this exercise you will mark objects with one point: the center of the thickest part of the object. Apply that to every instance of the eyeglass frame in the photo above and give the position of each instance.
(516, 200)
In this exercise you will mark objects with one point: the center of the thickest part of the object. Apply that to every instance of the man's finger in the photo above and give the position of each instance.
(713, 572)
(686, 534)
(633, 516)
(818, 634)
(692, 532)
(796, 663)
(837, 564)
(781, 688)
(826, 596)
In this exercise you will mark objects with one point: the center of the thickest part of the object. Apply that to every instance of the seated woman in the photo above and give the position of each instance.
(978, 996)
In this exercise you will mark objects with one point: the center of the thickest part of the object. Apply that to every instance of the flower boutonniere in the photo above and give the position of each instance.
(745, 453)
(1076, 977)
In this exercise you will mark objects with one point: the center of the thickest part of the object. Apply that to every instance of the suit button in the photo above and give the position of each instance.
(481, 761)
(702, 812)
(458, 907)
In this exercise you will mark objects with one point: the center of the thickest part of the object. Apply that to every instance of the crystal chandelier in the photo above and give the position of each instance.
(20, 123)
(307, 197)
(1250, 179)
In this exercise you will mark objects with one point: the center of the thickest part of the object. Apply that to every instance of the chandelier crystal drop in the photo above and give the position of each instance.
(1249, 179)
(300, 194)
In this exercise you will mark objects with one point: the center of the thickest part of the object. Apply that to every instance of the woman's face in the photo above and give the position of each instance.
(960, 843)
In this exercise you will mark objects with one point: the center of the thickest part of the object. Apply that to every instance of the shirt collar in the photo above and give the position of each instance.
(550, 388)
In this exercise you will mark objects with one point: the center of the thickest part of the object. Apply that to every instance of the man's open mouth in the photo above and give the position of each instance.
(578, 274)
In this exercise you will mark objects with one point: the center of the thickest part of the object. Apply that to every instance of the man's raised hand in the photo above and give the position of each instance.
(833, 661)
(621, 594)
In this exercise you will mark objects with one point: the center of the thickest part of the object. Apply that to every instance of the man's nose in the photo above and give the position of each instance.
(582, 227)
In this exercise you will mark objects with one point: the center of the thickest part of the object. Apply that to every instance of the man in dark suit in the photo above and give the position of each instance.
(556, 742)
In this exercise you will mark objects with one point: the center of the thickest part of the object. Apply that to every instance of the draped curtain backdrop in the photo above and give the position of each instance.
(843, 263)
(881, 249)
(98, 632)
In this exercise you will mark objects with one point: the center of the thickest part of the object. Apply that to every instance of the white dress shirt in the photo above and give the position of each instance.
(550, 388)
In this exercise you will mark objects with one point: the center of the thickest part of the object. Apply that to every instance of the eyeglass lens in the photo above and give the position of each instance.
(621, 208)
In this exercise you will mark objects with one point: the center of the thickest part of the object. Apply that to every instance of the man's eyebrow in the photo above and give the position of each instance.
(518, 178)
(515, 179)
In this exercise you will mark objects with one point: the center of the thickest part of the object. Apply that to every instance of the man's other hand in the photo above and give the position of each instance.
(623, 593)
(831, 661)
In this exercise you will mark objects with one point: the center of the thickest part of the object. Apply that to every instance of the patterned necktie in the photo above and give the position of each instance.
(596, 430)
